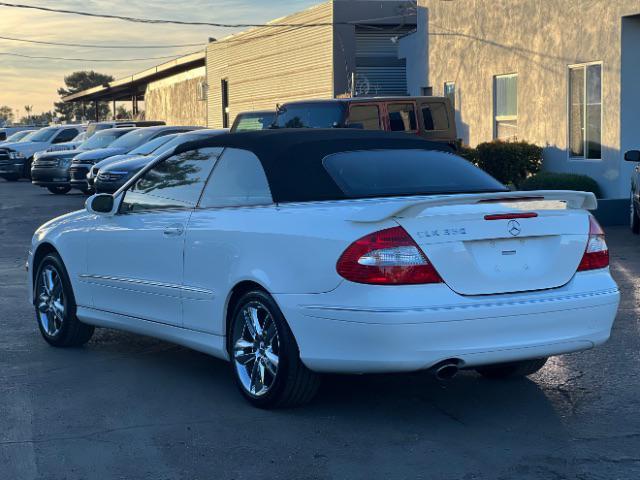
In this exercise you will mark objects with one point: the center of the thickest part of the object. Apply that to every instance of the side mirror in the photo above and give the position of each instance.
(632, 156)
(101, 204)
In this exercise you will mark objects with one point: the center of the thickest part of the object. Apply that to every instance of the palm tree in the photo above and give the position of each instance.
(28, 109)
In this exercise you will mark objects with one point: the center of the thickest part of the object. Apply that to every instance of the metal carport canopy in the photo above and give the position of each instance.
(135, 85)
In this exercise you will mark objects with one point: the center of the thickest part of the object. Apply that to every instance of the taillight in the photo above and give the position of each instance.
(596, 255)
(387, 257)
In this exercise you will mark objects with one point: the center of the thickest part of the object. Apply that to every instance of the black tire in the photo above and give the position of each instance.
(634, 217)
(11, 178)
(59, 190)
(293, 383)
(67, 330)
(520, 369)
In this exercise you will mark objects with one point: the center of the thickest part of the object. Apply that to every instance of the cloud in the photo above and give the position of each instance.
(27, 81)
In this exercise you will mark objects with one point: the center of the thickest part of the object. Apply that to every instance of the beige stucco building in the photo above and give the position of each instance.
(179, 99)
(173, 92)
(564, 74)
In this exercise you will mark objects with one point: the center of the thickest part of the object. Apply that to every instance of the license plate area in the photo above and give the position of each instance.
(511, 256)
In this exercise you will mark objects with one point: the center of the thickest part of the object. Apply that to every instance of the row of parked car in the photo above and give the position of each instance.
(102, 157)
(62, 158)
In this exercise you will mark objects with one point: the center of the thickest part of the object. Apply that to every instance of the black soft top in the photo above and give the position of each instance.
(292, 158)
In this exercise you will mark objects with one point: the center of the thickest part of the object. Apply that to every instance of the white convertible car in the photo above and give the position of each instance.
(297, 252)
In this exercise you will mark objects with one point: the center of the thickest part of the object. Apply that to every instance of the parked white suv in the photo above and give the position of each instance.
(16, 158)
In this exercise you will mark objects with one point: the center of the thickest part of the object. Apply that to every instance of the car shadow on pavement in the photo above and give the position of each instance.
(417, 398)
(149, 392)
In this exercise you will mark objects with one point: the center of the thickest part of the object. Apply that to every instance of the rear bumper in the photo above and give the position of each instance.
(365, 329)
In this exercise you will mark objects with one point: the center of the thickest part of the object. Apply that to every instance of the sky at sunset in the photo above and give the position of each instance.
(34, 82)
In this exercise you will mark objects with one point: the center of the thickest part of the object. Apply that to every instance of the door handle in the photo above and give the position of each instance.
(173, 230)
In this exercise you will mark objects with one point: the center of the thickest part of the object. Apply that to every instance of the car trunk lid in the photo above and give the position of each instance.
(506, 244)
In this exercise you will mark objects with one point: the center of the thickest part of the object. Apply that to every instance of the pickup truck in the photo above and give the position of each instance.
(16, 158)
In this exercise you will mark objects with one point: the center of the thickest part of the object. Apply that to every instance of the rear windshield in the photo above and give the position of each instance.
(381, 173)
(310, 115)
(247, 122)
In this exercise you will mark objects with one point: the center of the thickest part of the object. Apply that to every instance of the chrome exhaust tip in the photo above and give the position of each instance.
(446, 369)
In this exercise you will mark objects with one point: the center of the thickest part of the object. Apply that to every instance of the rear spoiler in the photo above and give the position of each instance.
(412, 208)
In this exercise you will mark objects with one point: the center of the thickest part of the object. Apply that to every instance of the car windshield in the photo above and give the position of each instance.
(134, 139)
(82, 136)
(18, 136)
(253, 121)
(153, 145)
(381, 173)
(96, 127)
(177, 140)
(310, 115)
(43, 135)
(102, 139)
(28, 136)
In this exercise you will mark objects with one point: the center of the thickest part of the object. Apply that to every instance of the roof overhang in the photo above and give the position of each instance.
(125, 88)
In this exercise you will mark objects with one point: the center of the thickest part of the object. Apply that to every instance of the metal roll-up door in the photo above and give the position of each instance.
(379, 71)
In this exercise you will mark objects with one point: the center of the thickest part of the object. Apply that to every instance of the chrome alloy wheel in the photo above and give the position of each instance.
(256, 349)
(51, 300)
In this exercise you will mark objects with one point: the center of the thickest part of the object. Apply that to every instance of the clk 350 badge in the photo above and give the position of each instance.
(445, 232)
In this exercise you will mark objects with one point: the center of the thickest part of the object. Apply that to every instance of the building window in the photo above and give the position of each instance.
(506, 107)
(450, 92)
(224, 91)
(585, 111)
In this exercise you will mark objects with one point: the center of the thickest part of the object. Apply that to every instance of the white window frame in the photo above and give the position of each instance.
(568, 122)
(455, 90)
(500, 118)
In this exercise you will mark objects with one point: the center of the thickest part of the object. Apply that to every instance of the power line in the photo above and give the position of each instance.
(180, 22)
(82, 45)
(149, 20)
(40, 57)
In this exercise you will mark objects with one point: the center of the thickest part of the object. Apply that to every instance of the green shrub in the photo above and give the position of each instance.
(468, 153)
(508, 162)
(561, 181)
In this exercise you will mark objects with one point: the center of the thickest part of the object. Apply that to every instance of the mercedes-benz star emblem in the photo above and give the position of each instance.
(514, 228)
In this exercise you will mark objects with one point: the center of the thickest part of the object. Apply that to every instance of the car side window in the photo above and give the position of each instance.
(434, 116)
(175, 182)
(237, 180)
(366, 116)
(402, 117)
(66, 135)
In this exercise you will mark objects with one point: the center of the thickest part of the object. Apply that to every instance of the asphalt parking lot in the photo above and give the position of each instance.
(131, 407)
